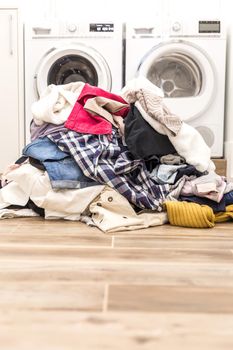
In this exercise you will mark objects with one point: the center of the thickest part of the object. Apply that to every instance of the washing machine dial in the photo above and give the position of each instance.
(176, 27)
(72, 27)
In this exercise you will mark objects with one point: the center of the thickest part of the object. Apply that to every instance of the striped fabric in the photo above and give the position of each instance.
(189, 214)
(154, 107)
(194, 215)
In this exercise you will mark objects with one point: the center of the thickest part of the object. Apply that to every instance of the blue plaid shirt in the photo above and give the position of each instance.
(105, 159)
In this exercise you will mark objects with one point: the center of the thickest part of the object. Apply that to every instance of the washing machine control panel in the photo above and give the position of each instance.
(200, 28)
(85, 29)
(101, 27)
(209, 26)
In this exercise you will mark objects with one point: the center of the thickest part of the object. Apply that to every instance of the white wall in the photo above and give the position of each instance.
(118, 9)
(90, 9)
(227, 15)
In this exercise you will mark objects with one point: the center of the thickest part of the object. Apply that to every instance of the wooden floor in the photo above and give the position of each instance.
(64, 285)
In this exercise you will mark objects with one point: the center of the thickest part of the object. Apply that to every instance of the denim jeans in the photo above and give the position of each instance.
(62, 169)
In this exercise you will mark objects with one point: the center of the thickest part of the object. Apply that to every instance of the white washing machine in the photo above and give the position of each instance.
(60, 52)
(187, 60)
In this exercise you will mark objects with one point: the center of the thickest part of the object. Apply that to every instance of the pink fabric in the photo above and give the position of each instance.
(81, 121)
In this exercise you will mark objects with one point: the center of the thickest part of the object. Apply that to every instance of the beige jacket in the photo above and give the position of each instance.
(111, 212)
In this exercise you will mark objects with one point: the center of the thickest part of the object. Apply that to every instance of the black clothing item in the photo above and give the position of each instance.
(142, 140)
(21, 160)
(151, 163)
(217, 207)
(188, 170)
(36, 163)
(30, 205)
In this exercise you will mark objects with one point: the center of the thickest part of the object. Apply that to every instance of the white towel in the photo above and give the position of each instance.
(56, 103)
(190, 144)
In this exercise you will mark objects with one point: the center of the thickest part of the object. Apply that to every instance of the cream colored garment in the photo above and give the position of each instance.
(104, 107)
(30, 182)
(12, 194)
(139, 90)
(56, 103)
(9, 168)
(18, 191)
(139, 83)
(190, 144)
(111, 212)
(16, 213)
(66, 204)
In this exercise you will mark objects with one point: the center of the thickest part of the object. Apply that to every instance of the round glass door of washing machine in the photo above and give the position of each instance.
(73, 63)
(185, 74)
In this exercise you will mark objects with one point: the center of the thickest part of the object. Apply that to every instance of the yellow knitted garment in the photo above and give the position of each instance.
(189, 214)
(225, 215)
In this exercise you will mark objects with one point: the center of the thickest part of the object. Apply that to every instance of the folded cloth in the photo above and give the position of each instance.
(172, 159)
(189, 214)
(104, 107)
(16, 213)
(210, 186)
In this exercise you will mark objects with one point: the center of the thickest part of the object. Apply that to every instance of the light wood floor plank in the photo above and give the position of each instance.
(171, 274)
(65, 286)
(140, 331)
(170, 299)
(51, 296)
(172, 242)
(56, 238)
(68, 252)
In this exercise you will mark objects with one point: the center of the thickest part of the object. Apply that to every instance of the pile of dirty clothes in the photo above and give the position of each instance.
(115, 161)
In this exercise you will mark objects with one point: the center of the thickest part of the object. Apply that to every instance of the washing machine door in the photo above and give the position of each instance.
(186, 75)
(76, 62)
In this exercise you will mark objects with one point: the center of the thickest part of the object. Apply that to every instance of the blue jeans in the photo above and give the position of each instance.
(62, 169)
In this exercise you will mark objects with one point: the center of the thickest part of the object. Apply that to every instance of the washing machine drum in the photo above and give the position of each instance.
(186, 75)
(73, 63)
(177, 75)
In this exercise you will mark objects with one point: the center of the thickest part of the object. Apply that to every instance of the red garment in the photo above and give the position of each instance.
(81, 121)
